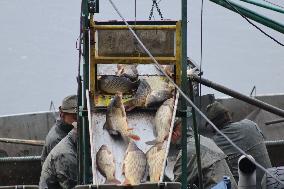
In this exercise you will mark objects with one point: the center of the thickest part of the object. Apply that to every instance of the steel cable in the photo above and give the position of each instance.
(250, 22)
(188, 99)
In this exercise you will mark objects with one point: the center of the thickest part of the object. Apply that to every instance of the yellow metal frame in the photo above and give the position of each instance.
(95, 59)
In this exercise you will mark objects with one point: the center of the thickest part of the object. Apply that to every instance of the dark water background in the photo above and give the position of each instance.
(39, 60)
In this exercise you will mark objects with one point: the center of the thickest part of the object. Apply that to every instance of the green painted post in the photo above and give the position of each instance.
(252, 15)
(184, 85)
(264, 5)
(85, 142)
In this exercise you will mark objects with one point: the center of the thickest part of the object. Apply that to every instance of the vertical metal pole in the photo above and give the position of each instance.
(196, 139)
(85, 142)
(184, 86)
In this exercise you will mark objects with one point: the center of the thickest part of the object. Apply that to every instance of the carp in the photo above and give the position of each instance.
(162, 122)
(116, 121)
(111, 84)
(134, 164)
(149, 93)
(140, 97)
(129, 71)
(106, 165)
(157, 97)
(155, 159)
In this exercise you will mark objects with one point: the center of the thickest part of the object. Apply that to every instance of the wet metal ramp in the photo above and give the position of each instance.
(142, 123)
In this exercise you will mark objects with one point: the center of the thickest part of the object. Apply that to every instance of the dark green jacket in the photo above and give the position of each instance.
(54, 136)
(60, 167)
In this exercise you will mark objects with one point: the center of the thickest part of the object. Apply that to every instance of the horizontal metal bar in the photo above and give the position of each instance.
(251, 14)
(237, 95)
(274, 142)
(274, 121)
(23, 141)
(137, 27)
(131, 60)
(20, 159)
(264, 5)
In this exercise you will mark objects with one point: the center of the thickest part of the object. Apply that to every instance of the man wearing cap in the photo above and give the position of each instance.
(68, 115)
(213, 163)
(245, 134)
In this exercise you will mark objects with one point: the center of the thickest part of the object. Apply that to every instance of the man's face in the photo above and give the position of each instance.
(69, 118)
(176, 136)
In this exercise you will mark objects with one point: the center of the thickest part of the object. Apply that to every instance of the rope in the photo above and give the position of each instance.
(186, 97)
(155, 4)
(250, 22)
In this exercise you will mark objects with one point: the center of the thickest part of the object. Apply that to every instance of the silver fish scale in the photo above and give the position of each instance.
(141, 94)
(112, 84)
(135, 166)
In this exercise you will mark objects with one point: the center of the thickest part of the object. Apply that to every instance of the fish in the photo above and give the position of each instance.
(111, 84)
(162, 121)
(169, 69)
(146, 96)
(140, 97)
(116, 121)
(128, 71)
(155, 159)
(157, 97)
(106, 165)
(134, 165)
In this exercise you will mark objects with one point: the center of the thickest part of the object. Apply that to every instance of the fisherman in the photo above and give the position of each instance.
(213, 163)
(245, 134)
(63, 125)
(59, 170)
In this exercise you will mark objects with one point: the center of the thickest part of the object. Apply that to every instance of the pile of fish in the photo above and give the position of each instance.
(136, 162)
(148, 91)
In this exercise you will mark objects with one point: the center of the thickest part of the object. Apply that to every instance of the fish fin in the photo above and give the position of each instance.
(152, 142)
(134, 137)
(130, 129)
(113, 181)
(126, 182)
(105, 125)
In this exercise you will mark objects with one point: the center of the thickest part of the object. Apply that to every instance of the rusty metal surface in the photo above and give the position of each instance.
(122, 43)
(19, 171)
(32, 126)
(142, 122)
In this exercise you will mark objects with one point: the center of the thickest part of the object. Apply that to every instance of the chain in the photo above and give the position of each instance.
(155, 4)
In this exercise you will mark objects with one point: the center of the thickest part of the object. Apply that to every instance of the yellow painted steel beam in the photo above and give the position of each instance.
(93, 70)
(131, 60)
(137, 27)
(178, 53)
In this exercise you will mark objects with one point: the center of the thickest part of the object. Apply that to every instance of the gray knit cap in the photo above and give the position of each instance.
(69, 104)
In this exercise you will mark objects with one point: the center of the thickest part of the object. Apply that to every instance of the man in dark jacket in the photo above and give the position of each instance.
(213, 163)
(245, 134)
(68, 115)
(60, 167)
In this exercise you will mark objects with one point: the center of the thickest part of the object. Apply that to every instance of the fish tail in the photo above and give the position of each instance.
(126, 182)
(134, 137)
(113, 181)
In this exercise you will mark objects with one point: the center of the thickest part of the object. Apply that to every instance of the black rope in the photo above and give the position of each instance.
(233, 7)
(155, 4)
(273, 4)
